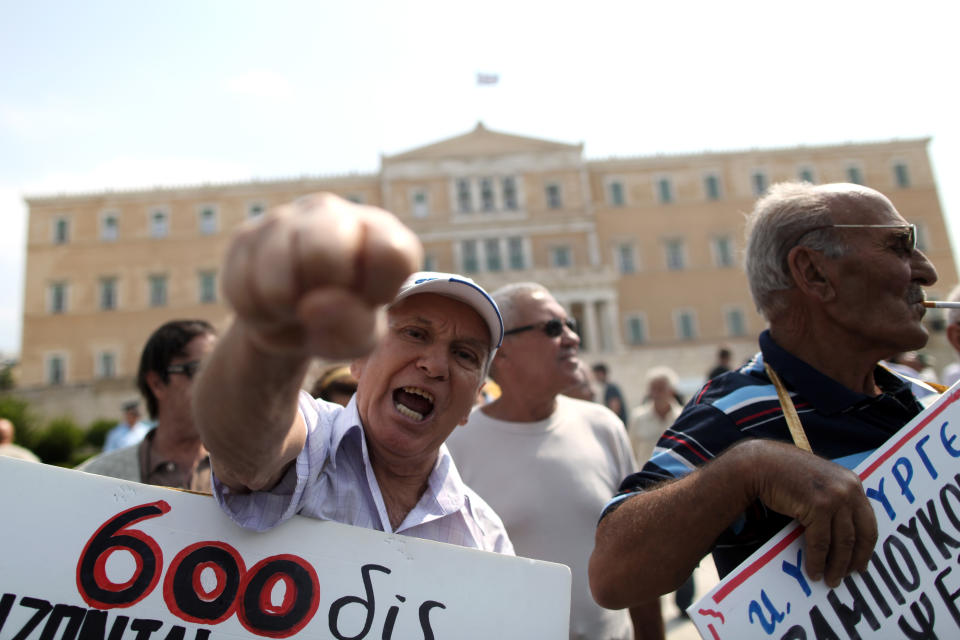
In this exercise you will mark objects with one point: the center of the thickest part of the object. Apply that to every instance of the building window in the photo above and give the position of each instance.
(723, 251)
(56, 370)
(854, 174)
(159, 224)
(208, 220)
(108, 294)
(664, 190)
(109, 227)
(494, 258)
(464, 198)
(560, 257)
(61, 231)
(158, 291)
(711, 186)
(518, 261)
(686, 325)
(901, 175)
(626, 258)
(106, 365)
(736, 325)
(420, 205)
(676, 259)
(486, 195)
(554, 197)
(255, 209)
(806, 175)
(510, 201)
(57, 301)
(207, 286)
(469, 257)
(758, 179)
(636, 329)
(615, 193)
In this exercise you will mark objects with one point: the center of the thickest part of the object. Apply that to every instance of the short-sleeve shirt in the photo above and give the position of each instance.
(332, 480)
(842, 425)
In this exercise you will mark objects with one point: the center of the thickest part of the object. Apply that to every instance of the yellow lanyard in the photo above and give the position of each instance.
(789, 411)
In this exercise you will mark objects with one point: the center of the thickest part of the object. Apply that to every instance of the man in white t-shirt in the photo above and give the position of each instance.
(545, 462)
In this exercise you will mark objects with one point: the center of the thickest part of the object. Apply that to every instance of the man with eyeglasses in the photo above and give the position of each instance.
(171, 454)
(835, 271)
(545, 462)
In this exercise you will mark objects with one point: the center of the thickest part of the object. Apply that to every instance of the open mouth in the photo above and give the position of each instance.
(412, 402)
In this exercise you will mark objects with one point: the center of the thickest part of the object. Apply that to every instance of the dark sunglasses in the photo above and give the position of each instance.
(552, 328)
(186, 368)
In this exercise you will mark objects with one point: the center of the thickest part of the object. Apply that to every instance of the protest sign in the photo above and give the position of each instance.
(85, 557)
(911, 588)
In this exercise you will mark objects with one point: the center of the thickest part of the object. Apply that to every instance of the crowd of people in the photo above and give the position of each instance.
(470, 418)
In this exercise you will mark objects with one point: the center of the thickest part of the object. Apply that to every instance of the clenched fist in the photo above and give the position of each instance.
(312, 276)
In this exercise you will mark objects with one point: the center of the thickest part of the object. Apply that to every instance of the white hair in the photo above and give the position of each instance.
(509, 297)
(661, 373)
(792, 214)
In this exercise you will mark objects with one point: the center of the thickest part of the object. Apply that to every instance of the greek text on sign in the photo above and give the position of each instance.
(911, 588)
(91, 558)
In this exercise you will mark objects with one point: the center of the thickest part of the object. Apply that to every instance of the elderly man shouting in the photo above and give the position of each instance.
(311, 280)
(836, 272)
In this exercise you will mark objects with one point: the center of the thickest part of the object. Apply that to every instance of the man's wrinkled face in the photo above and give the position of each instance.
(880, 279)
(543, 362)
(421, 380)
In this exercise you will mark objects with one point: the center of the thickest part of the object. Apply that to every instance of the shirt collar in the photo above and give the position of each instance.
(346, 422)
(444, 484)
(823, 392)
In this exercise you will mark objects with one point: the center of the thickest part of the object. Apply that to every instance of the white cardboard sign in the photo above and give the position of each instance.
(911, 588)
(84, 557)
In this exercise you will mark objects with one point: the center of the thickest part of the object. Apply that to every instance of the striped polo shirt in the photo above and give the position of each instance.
(841, 424)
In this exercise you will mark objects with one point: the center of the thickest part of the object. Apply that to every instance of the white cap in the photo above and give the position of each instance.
(459, 288)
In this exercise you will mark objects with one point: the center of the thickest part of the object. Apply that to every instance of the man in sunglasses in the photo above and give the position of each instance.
(545, 462)
(330, 278)
(836, 272)
(171, 454)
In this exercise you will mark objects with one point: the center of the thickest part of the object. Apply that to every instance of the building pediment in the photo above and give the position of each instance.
(482, 142)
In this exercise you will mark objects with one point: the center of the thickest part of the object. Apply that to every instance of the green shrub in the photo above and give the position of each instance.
(24, 420)
(97, 432)
(57, 443)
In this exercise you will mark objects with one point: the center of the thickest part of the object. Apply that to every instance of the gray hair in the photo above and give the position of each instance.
(508, 298)
(662, 373)
(787, 217)
(953, 315)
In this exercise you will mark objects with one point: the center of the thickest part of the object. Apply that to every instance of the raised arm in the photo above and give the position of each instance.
(308, 280)
(649, 545)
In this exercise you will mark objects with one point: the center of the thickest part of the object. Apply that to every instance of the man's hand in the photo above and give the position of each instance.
(827, 499)
(661, 534)
(310, 278)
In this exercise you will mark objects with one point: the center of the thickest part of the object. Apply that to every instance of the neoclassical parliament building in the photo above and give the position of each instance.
(644, 251)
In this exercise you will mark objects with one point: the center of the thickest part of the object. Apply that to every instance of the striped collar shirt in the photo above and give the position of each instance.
(841, 424)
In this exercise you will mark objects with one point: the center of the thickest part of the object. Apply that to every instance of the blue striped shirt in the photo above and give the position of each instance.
(841, 424)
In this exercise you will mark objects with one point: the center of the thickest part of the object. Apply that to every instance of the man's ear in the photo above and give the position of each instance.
(356, 367)
(156, 383)
(953, 336)
(809, 275)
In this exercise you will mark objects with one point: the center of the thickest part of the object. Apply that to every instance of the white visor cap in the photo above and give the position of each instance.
(459, 288)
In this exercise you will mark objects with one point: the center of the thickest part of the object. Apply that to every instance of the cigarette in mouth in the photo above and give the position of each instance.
(937, 304)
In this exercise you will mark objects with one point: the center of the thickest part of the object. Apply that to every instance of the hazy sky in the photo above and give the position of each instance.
(96, 95)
